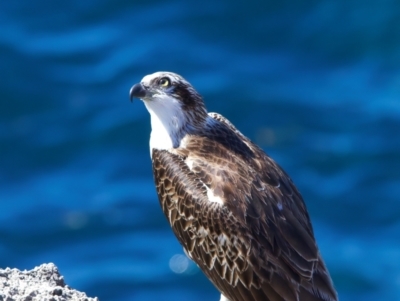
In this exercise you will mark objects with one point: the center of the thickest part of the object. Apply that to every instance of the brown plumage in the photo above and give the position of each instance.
(237, 214)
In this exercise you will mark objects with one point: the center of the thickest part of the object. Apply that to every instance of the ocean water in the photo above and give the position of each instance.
(315, 83)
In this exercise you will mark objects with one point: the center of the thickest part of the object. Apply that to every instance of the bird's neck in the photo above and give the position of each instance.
(168, 132)
(164, 136)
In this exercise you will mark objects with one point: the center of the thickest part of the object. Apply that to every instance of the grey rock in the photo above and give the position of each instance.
(43, 283)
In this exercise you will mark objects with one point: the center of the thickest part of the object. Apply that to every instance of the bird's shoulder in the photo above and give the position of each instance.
(238, 172)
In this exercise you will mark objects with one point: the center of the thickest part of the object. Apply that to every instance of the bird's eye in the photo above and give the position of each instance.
(164, 82)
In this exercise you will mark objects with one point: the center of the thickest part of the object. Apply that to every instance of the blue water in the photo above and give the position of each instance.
(315, 83)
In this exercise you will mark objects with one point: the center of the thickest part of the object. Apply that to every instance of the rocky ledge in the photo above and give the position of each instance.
(43, 283)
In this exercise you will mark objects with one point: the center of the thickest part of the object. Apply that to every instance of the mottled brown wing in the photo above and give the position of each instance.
(259, 245)
(209, 233)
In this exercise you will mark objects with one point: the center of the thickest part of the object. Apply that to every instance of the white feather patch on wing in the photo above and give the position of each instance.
(189, 162)
(213, 198)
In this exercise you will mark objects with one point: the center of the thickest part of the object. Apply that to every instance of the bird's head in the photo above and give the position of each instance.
(172, 102)
(170, 90)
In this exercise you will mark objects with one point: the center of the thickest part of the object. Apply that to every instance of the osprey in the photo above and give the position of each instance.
(235, 211)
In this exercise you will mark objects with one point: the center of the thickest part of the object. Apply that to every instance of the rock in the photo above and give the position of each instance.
(43, 283)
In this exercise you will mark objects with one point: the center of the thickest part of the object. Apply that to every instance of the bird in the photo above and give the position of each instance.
(235, 211)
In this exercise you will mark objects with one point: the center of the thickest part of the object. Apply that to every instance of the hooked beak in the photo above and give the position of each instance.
(137, 91)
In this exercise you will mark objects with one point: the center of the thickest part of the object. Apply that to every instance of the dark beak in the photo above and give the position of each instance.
(137, 91)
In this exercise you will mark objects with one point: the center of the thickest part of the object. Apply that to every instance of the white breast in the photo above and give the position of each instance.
(159, 137)
(167, 122)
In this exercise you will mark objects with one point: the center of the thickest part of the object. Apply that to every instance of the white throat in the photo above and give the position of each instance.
(168, 122)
